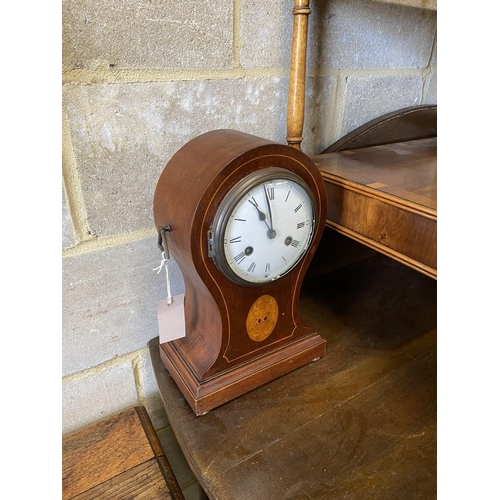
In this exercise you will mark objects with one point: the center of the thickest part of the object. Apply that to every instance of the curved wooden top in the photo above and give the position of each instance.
(407, 124)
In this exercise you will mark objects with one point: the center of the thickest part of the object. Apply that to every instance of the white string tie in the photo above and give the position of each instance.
(164, 263)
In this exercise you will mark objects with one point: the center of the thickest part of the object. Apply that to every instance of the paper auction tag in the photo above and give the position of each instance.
(171, 322)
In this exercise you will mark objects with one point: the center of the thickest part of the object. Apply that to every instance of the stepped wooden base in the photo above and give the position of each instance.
(204, 395)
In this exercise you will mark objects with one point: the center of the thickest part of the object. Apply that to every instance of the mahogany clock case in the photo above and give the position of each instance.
(219, 359)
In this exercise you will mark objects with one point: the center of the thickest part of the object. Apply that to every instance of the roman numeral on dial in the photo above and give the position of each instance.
(239, 258)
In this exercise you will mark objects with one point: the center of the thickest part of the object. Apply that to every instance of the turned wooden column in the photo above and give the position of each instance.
(296, 92)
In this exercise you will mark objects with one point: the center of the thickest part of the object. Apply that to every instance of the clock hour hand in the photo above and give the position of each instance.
(262, 215)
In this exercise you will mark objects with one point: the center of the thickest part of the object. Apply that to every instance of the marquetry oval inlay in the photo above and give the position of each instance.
(262, 318)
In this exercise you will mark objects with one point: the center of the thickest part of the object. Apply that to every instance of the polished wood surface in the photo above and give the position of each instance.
(118, 458)
(386, 198)
(217, 359)
(403, 171)
(360, 423)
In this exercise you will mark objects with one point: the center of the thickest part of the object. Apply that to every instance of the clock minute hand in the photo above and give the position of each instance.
(271, 233)
(268, 208)
(262, 216)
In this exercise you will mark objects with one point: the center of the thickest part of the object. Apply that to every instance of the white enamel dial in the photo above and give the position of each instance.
(263, 227)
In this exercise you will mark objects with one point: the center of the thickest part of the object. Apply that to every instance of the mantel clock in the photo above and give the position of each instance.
(244, 217)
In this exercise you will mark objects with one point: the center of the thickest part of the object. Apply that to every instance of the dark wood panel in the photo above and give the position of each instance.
(340, 446)
(379, 318)
(336, 251)
(407, 471)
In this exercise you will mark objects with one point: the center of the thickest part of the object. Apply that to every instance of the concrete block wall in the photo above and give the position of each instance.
(140, 79)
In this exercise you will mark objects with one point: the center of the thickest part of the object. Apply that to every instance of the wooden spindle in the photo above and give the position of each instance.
(296, 92)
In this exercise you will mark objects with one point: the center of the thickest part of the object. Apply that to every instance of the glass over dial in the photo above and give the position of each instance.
(263, 227)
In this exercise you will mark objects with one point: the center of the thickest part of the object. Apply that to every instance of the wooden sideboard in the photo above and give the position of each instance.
(381, 177)
(359, 423)
(386, 198)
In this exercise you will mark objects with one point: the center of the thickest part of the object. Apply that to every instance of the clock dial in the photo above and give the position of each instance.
(265, 225)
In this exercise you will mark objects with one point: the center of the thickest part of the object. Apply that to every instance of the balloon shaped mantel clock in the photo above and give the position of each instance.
(244, 217)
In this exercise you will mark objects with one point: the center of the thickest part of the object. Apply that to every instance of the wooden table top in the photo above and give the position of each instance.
(359, 423)
(118, 458)
(405, 170)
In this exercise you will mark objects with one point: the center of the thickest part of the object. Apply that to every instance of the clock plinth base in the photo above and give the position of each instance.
(204, 395)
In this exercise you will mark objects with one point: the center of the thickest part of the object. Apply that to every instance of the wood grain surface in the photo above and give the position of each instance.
(403, 170)
(120, 457)
(359, 423)
(386, 198)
